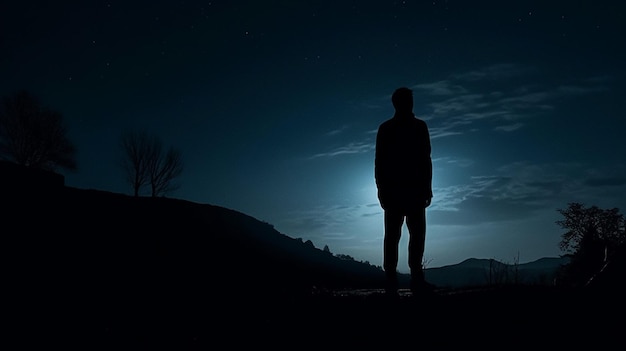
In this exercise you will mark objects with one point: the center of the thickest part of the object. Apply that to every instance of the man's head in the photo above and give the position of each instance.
(402, 100)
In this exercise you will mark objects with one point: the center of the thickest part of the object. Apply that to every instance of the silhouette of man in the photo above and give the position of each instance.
(403, 172)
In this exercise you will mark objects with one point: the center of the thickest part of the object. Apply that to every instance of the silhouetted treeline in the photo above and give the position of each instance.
(594, 239)
(33, 135)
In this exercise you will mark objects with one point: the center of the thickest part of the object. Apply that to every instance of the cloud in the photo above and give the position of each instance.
(447, 129)
(521, 190)
(494, 94)
(580, 90)
(494, 72)
(460, 104)
(326, 224)
(526, 99)
(442, 87)
(495, 98)
(350, 148)
(516, 191)
(337, 131)
(509, 128)
(473, 116)
(436, 133)
(459, 162)
(605, 181)
(477, 210)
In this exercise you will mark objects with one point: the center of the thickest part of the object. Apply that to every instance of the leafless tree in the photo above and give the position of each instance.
(145, 163)
(163, 168)
(34, 136)
(135, 148)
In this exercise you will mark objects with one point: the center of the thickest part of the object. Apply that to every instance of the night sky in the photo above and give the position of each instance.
(274, 106)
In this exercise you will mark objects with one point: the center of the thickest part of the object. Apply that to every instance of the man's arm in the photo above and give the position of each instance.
(428, 163)
(378, 158)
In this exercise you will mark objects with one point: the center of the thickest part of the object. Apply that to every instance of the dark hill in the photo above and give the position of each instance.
(107, 238)
(93, 261)
(88, 269)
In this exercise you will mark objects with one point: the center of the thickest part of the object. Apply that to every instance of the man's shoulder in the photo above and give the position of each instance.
(404, 122)
(389, 120)
(386, 123)
(417, 122)
(420, 122)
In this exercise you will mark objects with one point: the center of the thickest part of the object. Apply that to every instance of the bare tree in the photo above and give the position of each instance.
(144, 163)
(163, 168)
(135, 148)
(34, 136)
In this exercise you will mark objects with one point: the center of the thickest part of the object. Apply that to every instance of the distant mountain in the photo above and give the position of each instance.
(480, 272)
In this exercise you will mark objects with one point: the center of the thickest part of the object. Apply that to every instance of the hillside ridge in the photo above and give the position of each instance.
(162, 228)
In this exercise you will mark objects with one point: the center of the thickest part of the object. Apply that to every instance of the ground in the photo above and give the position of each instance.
(345, 320)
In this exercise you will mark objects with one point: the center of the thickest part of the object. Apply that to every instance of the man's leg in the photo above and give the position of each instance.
(416, 224)
(393, 231)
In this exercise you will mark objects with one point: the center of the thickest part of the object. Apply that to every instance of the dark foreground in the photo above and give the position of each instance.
(501, 318)
(89, 270)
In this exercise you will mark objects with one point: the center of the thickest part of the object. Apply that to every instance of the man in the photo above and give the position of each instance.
(403, 172)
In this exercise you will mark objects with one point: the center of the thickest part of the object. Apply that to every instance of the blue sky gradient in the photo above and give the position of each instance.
(275, 105)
